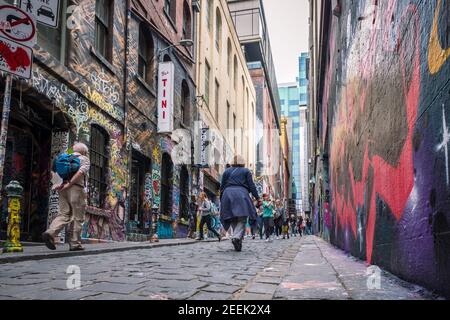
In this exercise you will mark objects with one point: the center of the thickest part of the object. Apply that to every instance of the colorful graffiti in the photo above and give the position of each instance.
(13, 233)
(437, 56)
(386, 127)
(156, 176)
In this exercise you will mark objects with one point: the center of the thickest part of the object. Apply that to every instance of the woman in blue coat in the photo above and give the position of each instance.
(235, 202)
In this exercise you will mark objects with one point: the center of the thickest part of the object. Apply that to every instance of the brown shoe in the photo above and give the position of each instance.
(77, 248)
(49, 241)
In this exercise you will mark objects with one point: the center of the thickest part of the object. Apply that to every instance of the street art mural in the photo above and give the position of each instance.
(105, 223)
(386, 108)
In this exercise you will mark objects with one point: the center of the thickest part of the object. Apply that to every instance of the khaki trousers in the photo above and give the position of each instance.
(72, 206)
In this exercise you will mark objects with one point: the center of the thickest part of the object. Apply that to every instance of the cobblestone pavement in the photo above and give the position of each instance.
(283, 269)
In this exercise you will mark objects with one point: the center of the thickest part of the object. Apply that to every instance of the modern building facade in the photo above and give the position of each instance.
(250, 23)
(225, 96)
(304, 132)
(289, 101)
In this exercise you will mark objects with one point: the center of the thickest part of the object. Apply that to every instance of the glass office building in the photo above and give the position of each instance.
(289, 101)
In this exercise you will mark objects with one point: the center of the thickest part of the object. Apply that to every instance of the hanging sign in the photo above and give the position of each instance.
(165, 96)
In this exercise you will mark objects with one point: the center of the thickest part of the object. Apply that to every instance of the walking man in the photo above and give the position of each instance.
(72, 202)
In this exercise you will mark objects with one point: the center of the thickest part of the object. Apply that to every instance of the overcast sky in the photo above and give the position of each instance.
(288, 29)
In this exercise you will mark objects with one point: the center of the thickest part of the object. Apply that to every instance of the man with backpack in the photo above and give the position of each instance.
(73, 169)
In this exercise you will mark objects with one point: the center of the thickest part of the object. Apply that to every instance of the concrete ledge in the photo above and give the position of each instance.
(41, 252)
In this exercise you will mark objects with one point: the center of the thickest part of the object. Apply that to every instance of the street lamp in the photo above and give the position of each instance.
(183, 43)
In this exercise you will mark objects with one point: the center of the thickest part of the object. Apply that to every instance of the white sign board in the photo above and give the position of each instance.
(165, 96)
(45, 11)
(15, 58)
(18, 26)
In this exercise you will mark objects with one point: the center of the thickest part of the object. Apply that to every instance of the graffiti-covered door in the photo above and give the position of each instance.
(27, 161)
(139, 218)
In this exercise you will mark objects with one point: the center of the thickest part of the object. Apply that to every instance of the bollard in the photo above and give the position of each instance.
(14, 193)
(155, 224)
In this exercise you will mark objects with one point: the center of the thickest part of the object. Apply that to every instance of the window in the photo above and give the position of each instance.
(98, 156)
(185, 103)
(243, 95)
(145, 68)
(234, 133)
(186, 21)
(235, 72)
(217, 96)
(103, 27)
(246, 108)
(207, 75)
(229, 57)
(208, 14)
(218, 34)
(228, 115)
(54, 40)
(170, 8)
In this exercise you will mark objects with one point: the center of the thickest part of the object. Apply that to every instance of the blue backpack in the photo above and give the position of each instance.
(66, 165)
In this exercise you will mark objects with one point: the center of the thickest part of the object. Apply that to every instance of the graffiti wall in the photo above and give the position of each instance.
(385, 124)
(104, 223)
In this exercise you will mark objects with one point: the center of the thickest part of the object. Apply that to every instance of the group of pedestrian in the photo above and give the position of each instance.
(242, 215)
(237, 209)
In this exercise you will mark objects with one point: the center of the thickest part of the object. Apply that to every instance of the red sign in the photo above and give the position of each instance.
(15, 58)
(17, 25)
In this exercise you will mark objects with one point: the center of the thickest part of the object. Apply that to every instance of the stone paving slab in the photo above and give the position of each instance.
(40, 251)
(298, 268)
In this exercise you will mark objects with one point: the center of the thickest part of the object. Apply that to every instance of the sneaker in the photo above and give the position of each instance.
(77, 248)
(49, 241)
(253, 237)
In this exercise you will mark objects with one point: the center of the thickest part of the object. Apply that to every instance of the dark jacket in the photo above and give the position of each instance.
(237, 184)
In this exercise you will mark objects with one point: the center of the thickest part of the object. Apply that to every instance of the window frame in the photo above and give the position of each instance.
(209, 5)
(207, 81)
(98, 165)
(147, 76)
(217, 98)
(107, 27)
(218, 30)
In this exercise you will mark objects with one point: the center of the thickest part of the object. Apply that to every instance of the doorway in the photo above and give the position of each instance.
(27, 160)
(139, 213)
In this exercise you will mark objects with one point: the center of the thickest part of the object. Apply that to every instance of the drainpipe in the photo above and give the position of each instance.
(127, 139)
